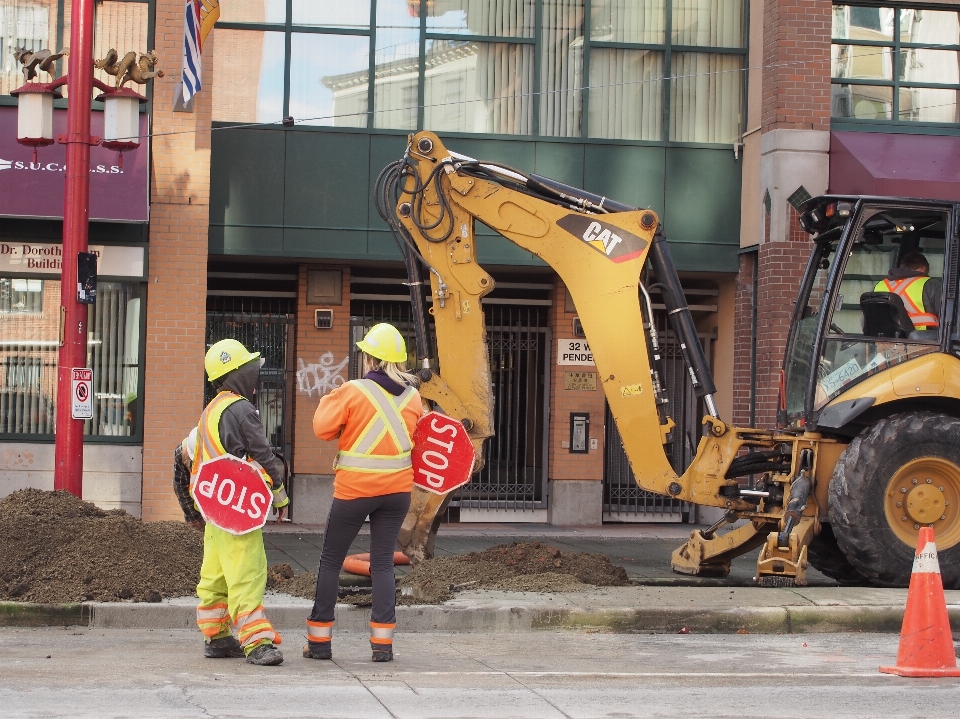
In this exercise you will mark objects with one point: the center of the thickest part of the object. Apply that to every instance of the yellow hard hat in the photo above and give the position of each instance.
(384, 342)
(225, 356)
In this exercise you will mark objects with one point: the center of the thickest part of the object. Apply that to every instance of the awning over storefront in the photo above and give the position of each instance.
(876, 163)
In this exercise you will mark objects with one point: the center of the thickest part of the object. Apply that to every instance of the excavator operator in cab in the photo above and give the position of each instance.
(920, 292)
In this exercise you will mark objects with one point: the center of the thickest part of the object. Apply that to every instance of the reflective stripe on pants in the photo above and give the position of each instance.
(319, 632)
(254, 628)
(382, 633)
(213, 620)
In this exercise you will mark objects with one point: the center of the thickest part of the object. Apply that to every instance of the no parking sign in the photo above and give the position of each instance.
(82, 393)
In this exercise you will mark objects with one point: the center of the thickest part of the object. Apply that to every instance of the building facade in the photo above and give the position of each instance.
(714, 113)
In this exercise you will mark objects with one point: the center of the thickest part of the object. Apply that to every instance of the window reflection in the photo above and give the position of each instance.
(927, 104)
(32, 25)
(328, 79)
(256, 58)
(482, 17)
(861, 62)
(272, 11)
(864, 102)
(478, 87)
(930, 27)
(332, 13)
(852, 22)
(628, 21)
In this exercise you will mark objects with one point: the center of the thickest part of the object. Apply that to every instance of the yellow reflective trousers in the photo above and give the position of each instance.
(233, 577)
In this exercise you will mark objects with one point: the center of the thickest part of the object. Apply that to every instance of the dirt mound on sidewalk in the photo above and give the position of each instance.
(521, 566)
(517, 567)
(57, 548)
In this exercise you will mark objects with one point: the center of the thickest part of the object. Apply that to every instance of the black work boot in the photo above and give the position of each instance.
(223, 648)
(382, 652)
(319, 650)
(266, 655)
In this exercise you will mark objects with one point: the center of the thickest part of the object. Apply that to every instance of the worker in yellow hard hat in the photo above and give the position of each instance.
(373, 418)
(233, 576)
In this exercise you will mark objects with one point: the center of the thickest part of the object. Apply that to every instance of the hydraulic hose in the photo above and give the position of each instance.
(682, 321)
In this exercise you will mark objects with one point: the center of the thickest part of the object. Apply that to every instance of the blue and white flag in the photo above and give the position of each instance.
(192, 48)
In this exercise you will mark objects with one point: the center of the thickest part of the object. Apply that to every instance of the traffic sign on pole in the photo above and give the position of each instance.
(443, 454)
(82, 404)
(232, 494)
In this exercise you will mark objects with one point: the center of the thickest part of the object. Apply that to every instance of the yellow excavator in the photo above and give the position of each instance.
(867, 447)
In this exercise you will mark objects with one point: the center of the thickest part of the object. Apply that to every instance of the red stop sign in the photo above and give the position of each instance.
(232, 495)
(442, 454)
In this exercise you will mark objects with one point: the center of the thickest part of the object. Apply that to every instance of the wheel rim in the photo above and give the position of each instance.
(925, 493)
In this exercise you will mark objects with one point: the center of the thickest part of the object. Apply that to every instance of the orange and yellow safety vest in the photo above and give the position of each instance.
(910, 290)
(209, 445)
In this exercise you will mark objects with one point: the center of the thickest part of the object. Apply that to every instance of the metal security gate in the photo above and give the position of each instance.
(270, 334)
(623, 500)
(514, 476)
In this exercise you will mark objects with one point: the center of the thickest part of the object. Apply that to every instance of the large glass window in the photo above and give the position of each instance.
(643, 70)
(29, 341)
(895, 65)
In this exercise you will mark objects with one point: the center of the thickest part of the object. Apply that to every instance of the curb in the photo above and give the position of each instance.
(290, 617)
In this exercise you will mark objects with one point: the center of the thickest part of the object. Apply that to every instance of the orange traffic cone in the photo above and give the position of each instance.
(926, 645)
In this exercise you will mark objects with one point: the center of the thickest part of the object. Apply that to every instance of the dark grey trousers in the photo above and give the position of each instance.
(343, 524)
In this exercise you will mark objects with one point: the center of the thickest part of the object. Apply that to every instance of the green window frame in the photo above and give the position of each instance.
(731, 61)
(854, 100)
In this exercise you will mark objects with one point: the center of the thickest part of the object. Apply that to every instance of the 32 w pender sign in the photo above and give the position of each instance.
(443, 454)
(232, 494)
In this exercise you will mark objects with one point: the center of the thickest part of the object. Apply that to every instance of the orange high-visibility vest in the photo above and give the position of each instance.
(910, 290)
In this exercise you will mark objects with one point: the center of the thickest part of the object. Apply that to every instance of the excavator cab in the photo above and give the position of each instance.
(848, 326)
(876, 370)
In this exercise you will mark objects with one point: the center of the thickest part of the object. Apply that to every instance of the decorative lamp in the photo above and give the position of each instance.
(35, 114)
(121, 119)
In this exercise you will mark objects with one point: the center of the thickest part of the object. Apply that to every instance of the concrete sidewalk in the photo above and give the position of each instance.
(642, 549)
(633, 609)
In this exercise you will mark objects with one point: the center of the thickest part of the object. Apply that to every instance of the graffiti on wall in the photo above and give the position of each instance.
(320, 377)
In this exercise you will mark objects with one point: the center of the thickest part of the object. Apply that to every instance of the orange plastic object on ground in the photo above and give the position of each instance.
(926, 645)
(360, 563)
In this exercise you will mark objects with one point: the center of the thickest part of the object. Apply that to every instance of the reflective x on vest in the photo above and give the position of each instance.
(910, 290)
(386, 421)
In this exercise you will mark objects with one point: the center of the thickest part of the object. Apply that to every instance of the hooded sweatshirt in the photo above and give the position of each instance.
(241, 432)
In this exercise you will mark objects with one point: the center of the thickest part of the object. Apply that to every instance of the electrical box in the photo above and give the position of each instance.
(323, 319)
(578, 328)
(579, 432)
(86, 278)
(324, 287)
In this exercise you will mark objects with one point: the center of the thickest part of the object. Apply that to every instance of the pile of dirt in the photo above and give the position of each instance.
(517, 567)
(57, 548)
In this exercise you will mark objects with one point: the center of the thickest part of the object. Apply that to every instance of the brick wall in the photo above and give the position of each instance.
(743, 340)
(564, 465)
(177, 290)
(781, 266)
(796, 59)
(320, 367)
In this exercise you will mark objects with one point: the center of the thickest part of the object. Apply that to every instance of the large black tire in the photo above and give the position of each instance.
(858, 496)
(827, 558)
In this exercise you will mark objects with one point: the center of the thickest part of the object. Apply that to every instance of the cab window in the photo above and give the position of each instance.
(889, 302)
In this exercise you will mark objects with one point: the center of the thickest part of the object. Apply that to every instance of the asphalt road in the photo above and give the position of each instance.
(99, 673)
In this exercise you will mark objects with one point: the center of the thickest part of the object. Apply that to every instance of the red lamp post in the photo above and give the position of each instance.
(35, 129)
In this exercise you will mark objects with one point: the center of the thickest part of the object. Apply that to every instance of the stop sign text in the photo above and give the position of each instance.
(443, 454)
(232, 494)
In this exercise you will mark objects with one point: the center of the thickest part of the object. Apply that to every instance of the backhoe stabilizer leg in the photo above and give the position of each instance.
(711, 556)
(786, 566)
(418, 533)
